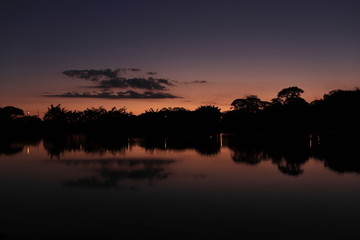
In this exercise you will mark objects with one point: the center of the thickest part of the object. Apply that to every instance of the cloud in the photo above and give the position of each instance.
(132, 83)
(154, 95)
(108, 94)
(199, 82)
(193, 82)
(142, 83)
(108, 78)
(123, 71)
(93, 75)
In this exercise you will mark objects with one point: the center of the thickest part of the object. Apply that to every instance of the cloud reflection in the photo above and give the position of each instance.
(119, 173)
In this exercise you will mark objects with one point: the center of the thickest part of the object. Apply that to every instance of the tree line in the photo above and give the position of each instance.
(336, 112)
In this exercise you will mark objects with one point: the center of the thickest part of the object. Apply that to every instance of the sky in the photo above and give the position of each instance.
(143, 54)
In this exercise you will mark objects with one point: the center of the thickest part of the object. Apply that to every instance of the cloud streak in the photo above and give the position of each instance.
(199, 82)
(116, 95)
(193, 82)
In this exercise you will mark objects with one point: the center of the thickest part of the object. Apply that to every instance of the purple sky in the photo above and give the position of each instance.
(173, 53)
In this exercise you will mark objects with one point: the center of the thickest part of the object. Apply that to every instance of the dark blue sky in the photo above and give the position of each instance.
(237, 47)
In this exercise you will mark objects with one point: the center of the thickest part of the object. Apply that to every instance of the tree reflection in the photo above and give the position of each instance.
(289, 153)
(11, 147)
(340, 154)
(249, 156)
(290, 168)
(204, 145)
(57, 145)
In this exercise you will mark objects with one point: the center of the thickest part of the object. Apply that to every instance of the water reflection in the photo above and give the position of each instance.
(204, 145)
(291, 153)
(59, 144)
(340, 155)
(288, 153)
(202, 184)
(12, 147)
(56, 146)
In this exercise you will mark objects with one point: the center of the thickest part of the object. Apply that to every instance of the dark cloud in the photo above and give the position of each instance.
(122, 71)
(108, 78)
(93, 75)
(164, 81)
(113, 83)
(199, 82)
(107, 94)
(193, 82)
(142, 83)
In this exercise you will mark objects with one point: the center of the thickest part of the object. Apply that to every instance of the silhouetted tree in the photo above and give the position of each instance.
(290, 110)
(56, 113)
(9, 113)
(29, 124)
(167, 120)
(337, 112)
(207, 119)
(276, 101)
(290, 93)
(14, 122)
(250, 103)
(94, 114)
(209, 110)
(151, 110)
(246, 115)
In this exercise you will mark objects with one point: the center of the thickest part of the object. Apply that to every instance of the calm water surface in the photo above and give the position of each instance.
(74, 187)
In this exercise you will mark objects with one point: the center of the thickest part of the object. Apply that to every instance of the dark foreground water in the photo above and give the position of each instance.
(226, 187)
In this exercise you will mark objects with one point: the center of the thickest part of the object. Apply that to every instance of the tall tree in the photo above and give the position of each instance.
(290, 93)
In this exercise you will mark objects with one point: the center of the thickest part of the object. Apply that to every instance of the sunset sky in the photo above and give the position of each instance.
(154, 54)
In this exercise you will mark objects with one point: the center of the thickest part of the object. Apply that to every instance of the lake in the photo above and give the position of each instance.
(218, 186)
